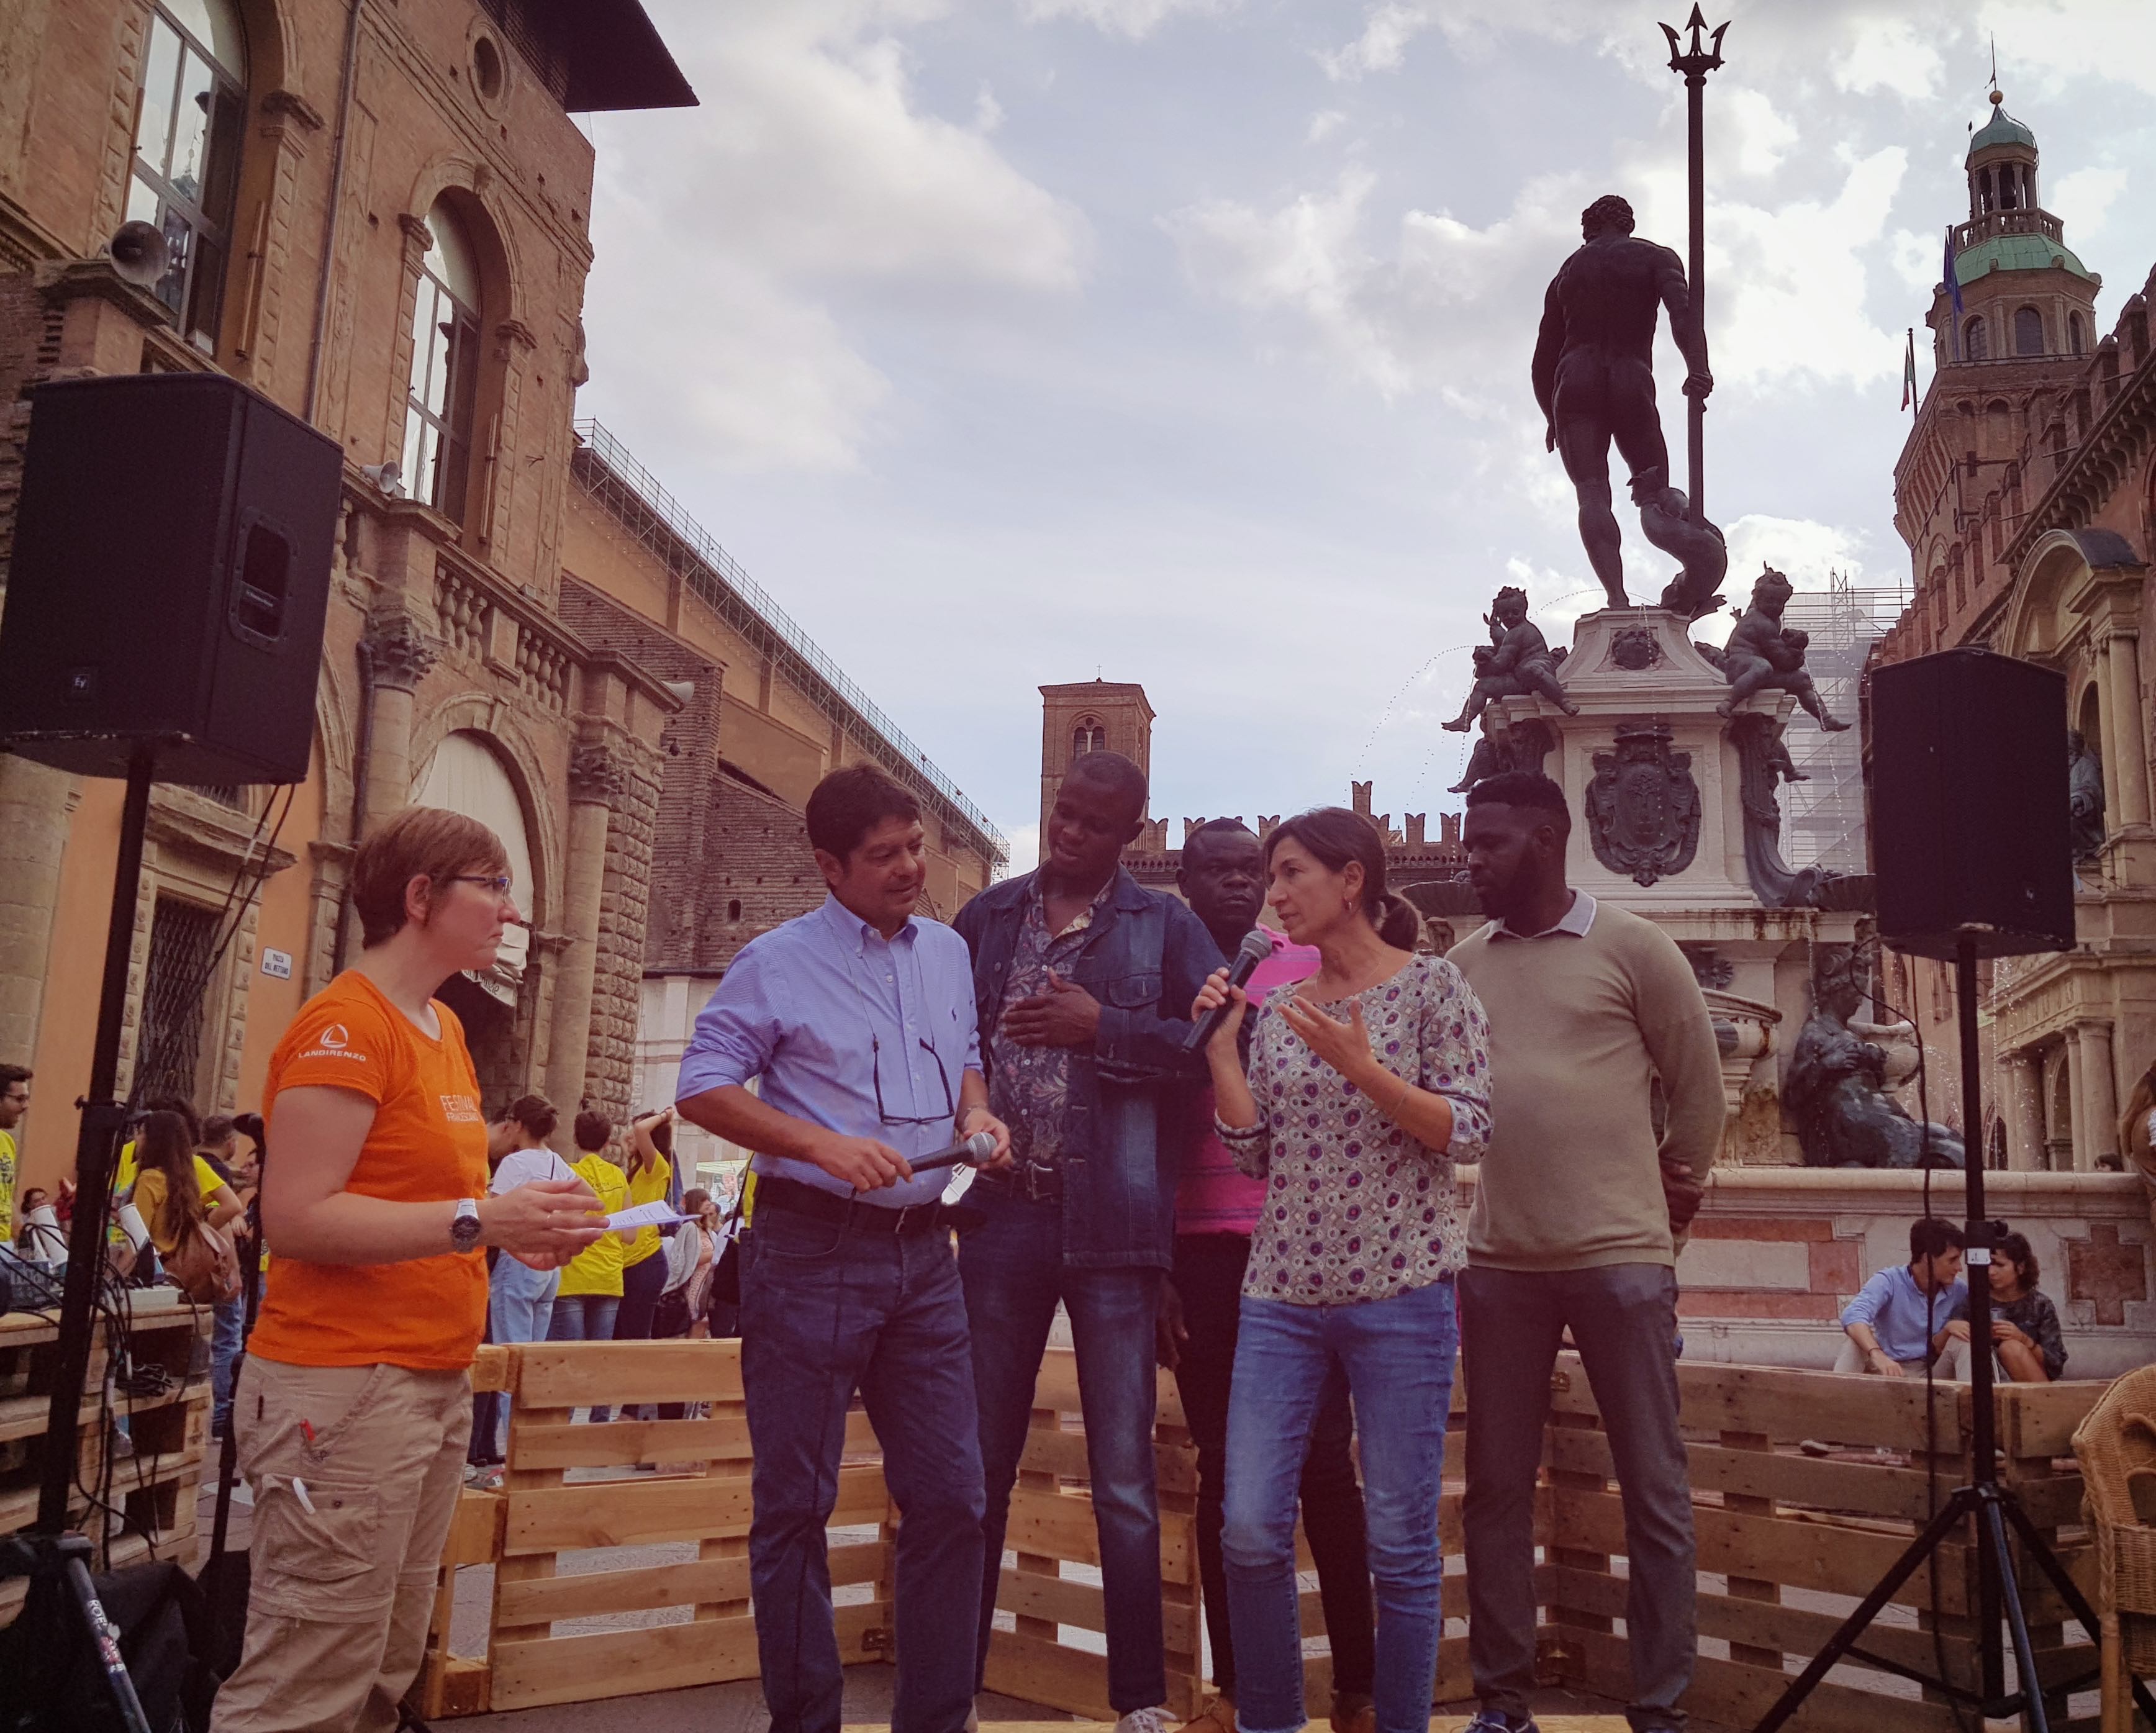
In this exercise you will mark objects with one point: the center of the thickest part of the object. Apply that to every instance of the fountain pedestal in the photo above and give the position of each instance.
(1654, 782)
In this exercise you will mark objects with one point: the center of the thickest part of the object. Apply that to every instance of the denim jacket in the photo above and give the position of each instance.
(1144, 959)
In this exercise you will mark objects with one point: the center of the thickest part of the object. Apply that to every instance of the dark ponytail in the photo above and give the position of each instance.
(1335, 836)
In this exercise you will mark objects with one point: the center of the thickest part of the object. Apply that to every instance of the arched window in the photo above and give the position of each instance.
(439, 411)
(1975, 343)
(1089, 736)
(2074, 338)
(2028, 331)
(190, 115)
(465, 776)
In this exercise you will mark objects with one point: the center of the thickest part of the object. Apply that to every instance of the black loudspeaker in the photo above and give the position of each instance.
(170, 579)
(1968, 805)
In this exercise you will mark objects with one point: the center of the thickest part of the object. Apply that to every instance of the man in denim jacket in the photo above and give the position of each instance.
(1084, 981)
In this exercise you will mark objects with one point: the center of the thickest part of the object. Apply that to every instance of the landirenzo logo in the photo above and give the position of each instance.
(337, 1037)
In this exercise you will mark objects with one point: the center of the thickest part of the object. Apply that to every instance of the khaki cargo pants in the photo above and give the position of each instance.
(343, 1574)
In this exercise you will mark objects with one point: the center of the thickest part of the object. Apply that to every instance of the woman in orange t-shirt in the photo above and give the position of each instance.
(355, 1409)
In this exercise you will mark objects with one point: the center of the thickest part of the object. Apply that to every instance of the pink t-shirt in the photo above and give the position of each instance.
(1213, 1197)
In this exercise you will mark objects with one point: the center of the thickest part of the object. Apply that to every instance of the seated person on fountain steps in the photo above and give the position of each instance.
(1903, 1318)
(2026, 1346)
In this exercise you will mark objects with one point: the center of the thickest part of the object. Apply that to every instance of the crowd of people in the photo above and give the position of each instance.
(1274, 1215)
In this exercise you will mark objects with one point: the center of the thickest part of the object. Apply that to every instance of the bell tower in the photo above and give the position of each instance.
(2011, 337)
(2024, 294)
(1090, 716)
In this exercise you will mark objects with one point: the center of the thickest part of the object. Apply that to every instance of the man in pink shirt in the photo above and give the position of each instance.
(1223, 880)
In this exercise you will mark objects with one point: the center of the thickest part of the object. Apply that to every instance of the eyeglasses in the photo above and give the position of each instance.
(498, 883)
(875, 1062)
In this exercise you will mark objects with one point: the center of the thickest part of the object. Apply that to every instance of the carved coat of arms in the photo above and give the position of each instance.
(1643, 806)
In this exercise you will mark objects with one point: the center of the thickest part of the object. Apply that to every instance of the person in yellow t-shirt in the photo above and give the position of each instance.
(163, 1150)
(590, 1293)
(643, 1271)
(14, 1103)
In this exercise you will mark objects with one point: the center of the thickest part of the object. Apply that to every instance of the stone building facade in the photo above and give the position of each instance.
(764, 714)
(2027, 495)
(378, 216)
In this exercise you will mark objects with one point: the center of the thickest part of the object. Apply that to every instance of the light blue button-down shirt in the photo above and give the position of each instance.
(1902, 1316)
(825, 1010)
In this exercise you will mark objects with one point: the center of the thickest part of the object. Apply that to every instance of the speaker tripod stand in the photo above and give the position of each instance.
(1995, 1509)
(63, 1615)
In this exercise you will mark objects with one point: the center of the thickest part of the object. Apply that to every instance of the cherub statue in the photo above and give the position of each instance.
(1761, 652)
(1516, 663)
(1665, 518)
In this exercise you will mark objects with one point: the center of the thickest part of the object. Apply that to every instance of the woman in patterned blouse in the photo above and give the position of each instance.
(1366, 1084)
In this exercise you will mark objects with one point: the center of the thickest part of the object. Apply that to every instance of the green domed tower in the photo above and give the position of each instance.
(2004, 365)
(2024, 293)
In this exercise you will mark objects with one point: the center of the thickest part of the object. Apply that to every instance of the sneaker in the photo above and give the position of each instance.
(1145, 1721)
(1492, 1720)
(1218, 1716)
(1353, 1712)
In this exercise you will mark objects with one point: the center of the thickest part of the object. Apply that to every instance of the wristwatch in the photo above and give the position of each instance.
(464, 1229)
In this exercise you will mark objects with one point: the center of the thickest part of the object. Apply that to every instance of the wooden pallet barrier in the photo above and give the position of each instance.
(1781, 1526)
(134, 1495)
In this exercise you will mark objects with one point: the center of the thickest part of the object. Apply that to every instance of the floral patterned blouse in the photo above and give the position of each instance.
(1355, 1209)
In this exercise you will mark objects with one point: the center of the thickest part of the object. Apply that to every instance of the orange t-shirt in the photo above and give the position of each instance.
(428, 1143)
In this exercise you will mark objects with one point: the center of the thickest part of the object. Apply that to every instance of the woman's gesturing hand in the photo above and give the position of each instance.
(1344, 1045)
(1219, 990)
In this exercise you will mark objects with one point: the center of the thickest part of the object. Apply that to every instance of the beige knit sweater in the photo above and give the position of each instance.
(1579, 1028)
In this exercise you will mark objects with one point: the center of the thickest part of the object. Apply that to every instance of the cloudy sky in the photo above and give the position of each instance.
(1185, 341)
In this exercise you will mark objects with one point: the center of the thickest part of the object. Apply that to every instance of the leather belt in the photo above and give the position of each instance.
(795, 1198)
(1036, 1181)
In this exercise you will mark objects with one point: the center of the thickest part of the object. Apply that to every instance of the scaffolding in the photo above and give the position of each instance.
(1823, 816)
(605, 469)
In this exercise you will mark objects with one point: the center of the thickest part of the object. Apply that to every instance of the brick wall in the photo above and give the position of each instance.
(762, 873)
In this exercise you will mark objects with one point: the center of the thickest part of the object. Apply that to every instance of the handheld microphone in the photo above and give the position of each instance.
(977, 1148)
(1256, 946)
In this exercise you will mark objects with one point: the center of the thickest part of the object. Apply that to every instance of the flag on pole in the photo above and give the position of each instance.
(1953, 291)
(1909, 374)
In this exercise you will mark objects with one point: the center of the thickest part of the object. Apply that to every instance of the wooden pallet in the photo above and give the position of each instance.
(1769, 1518)
(152, 1490)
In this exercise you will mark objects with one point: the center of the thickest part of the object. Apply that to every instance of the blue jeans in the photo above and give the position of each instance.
(224, 1345)
(520, 1308)
(584, 1318)
(1398, 1354)
(1014, 1273)
(827, 1310)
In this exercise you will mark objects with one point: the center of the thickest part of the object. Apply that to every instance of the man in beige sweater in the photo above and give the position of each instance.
(1578, 1218)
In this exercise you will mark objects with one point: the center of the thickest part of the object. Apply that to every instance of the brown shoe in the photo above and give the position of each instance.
(1218, 1716)
(1353, 1713)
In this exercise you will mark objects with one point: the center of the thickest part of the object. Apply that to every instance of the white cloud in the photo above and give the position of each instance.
(1382, 44)
(1806, 553)
(1890, 54)
(1763, 134)
(812, 169)
(1324, 125)
(2082, 199)
(988, 112)
(1134, 19)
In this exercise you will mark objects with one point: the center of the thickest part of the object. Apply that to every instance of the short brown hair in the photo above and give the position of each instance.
(419, 842)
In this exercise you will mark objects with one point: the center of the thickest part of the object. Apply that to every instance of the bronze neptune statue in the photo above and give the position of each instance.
(1594, 374)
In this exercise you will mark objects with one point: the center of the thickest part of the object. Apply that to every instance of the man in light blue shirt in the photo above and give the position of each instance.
(857, 1023)
(1897, 1321)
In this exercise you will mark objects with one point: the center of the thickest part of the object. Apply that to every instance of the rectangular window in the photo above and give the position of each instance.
(168, 1050)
